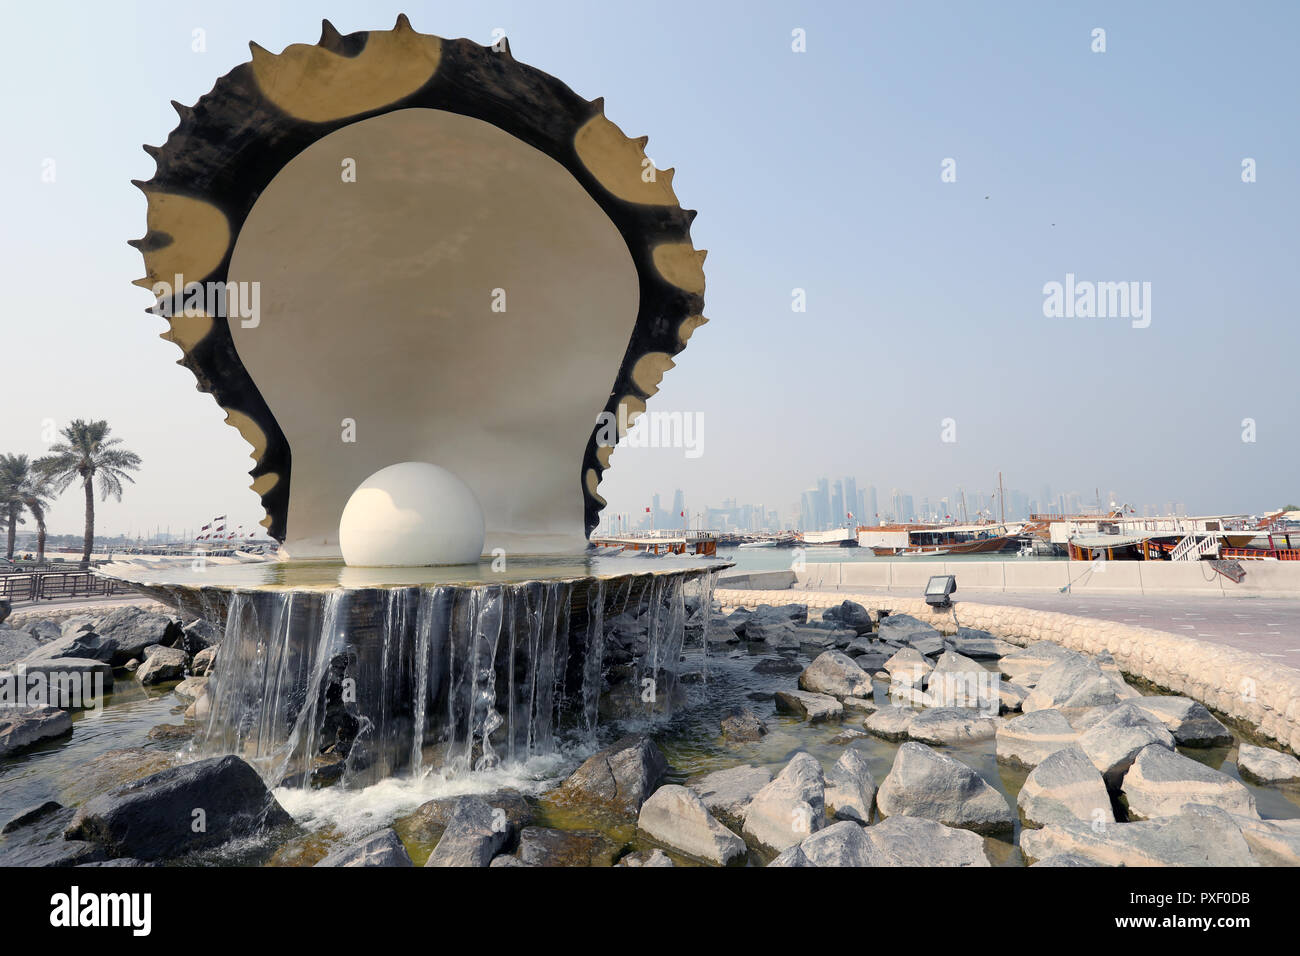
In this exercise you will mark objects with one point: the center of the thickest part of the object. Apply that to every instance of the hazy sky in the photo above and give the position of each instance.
(818, 170)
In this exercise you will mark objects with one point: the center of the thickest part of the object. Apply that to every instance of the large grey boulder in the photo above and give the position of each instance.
(789, 808)
(198, 635)
(1272, 842)
(427, 822)
(1065, 787)
(1114, 741)
(15, 644)
(191, 807)
(934, 786)
(850, 788)
(1072, 683)
(1026, 665)
(383, 848)
(1267, 766)
(959, 681)
(850, 614)
(909, 668)
(1161, 782)
(951, 725)
(161, 664)
(70, 682)
(905, 629)
(981, 645)
(676, 817)
(1189, 721)
(729, 792)
(84, 644)
(791, 857)
(204, 660)
(23, 728)
(814, 708)
(1199, 836)
(620, 777)
(1027, 740)
(474, 834)
(912, 841)
(35, 838)
(840, 844)
(777, 633)
(835, 673)
(131, 629)
(1066, 859)
(891, 723)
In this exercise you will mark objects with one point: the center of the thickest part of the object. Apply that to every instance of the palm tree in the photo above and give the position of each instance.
(15, 474)
(87, 451)
(36, 498)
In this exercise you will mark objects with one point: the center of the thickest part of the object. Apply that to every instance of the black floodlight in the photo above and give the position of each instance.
(939, 589)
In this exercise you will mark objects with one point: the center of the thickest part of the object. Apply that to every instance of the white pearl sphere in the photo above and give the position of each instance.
(412, 514)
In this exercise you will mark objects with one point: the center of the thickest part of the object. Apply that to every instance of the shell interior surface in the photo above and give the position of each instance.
(429, 252)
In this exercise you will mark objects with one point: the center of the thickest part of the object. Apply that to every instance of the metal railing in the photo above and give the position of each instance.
(49, 585)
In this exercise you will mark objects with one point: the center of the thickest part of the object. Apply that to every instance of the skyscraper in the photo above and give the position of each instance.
(851, 501)
(837, 504)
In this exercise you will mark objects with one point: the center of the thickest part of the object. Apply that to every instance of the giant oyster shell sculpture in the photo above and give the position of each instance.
(454, 259)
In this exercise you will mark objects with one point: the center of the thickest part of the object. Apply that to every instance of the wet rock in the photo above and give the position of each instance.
(161, 664)
(204, 660)
(620, 777)
(132, 665)
(154, 818)
(1065, 787)
(847, 736)
(951, 725)
(170, 732)
(850, 614)
(912, 841)
(379, 849)
(775, 633)
(728, 792)
(934, 786)
(676, 817)
(1029, 739)
(840, 844)
(814, 708)
(821, 638)
(110, 770)
(198, 636)
(507, 860)
(1190, 722)
(1200, 836)
(742, 726)
(1161, 782)
(73, 682)
(655, 857)
(834, 673)
(891, 723)
(1026, 665)
(38, 841)
(25, 818)
(790, 807)
(778, 667)
(850, 788)
(427, 822)
(190, 688)
(541, 846)
(475, 833)
(1267, 766)
(201, 708)
(981, 645)
(861, 705)
(1072, 683)
(1114, 741)
(22, 728)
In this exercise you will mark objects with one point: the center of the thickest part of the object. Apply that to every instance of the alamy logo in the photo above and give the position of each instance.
(224, 300)
(1098, 300)
(74, 909)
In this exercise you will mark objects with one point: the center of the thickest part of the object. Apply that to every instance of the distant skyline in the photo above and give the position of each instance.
(924, 358)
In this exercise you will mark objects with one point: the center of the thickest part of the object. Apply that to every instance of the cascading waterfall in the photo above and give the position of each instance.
(314, 687)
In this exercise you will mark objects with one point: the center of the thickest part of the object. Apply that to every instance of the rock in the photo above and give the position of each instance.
(25, 818)
(132, 665)
(676, 817)
(846, 737)
(170, 732)
(951, 725)
(1113, 743)
(908, 667)
(81, 644)
(777, 666)
(383, 848)
(792, 856)
(1065, 786)
(15, 644)
(850, 788)
(111, 770)
(198, 636)
(852, 615)
(22, 728)
(1066, 859)
(200, 709)
(891, 723)
(728, 792)
(1011, 697)
(1190, 722)
(1111, 669)
(958, 681)
(776, 633)
(905, 629)
(1072, 683)
(1161, 782)
(791, 613)
(161, 664)
(981, 645)
(474, 834)
(790, 807)
(39, 841)
(620, 777)
(834, 673)
(507, 860)
(1028, 740)
(872, 661)
(840, 844)
(1267, 766)
(821, 638)
(1272, 842)
(541, 846)
(811, 707)
(655, 857)
(190, 688)
(743, 725)
(152, 819)
(204, 660)
(131, 629)
(1026, 665)
(427, 822)
(71, 682)
(5, 608)
(912, 841)
(934, 786)
(861, 705)
(1200, 836)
